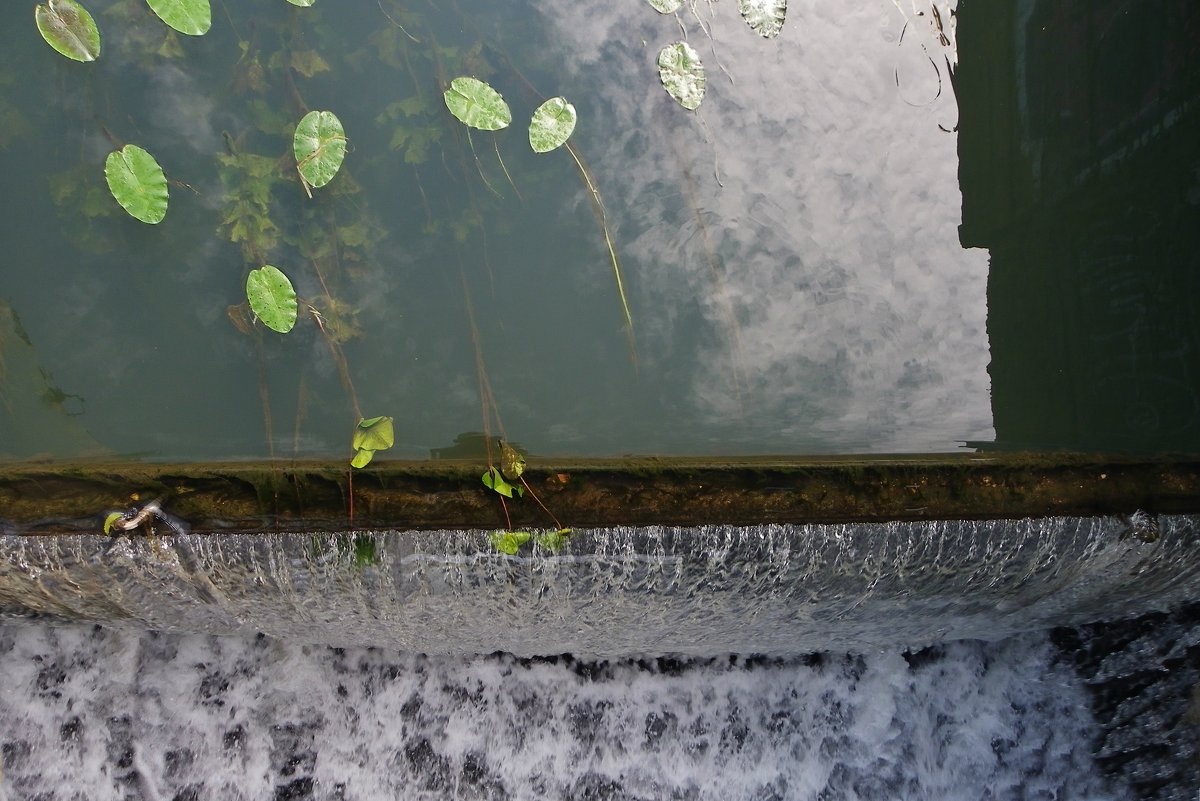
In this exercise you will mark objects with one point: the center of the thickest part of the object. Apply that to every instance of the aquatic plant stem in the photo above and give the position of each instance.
(598, 205)
(539, 503)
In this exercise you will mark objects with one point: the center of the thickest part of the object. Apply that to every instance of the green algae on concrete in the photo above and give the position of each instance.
(59, 497)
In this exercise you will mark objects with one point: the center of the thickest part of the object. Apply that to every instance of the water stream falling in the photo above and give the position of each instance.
(874, 661)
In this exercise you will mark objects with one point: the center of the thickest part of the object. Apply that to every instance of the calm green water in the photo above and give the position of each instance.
(791, 251)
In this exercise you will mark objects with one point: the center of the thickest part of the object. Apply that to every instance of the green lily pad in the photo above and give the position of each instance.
(302, 3)
(272, 298)
(765, 17)
(509, 542)
(137, 183)
(666, 6)
(193, 17)
(68, 28)
(494, 480)
(682, 74)
(376, 434)
(320, 147)
(552, 540)
(477, 105)
(552, 125)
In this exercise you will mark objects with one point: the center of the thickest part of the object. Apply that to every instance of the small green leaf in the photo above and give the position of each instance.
(68, 28)
(112, 518)
(682, 74)
(477, 105)
(272, 298)
(376, 434)
(765, 17)
(193, 17)
(666, 6)
(320, 147)
(509, 542)
(552, 540)
(302, 3)
(552, 125)
(494, 481)
(137, 183)
(362, 458)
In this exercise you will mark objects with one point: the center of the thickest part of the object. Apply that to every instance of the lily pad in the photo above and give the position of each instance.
(477, 105)
(552, 125)
(193, 17)
(68, 28)
(272, 298)
(682, 74)
(320, 147)
(666, 6)
(765, 17)
(376, 434)
(138, 183)
(494, 480)
(509, 542)
(302, 3)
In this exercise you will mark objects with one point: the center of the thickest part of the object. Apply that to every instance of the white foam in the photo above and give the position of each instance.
(161, 716)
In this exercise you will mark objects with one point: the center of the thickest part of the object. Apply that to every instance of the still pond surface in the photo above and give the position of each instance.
(886, 229)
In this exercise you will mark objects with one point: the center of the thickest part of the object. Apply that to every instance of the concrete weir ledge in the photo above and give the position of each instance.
(67, 497)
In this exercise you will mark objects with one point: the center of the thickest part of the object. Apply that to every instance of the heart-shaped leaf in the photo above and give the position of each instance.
(509, 542)
(493, 480)
(193, 17)
(272, 298)
(376, 434)
(552, 125)
(362, 458)
(68, 28)
(137, 183)
(477, 105)
(765, 17)
(682, 74)
(320, 147)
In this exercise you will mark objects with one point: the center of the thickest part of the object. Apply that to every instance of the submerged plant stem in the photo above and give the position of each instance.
(598, 205)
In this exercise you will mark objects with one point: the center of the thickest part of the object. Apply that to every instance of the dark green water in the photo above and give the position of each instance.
(792, 252)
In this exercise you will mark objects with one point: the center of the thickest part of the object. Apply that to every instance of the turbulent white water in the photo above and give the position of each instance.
(87, 712)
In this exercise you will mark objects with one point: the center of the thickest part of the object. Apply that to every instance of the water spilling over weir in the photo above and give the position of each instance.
(613, 592)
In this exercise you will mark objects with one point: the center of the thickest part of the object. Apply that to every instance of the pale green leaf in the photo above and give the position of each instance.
(552, 540)
(113, 517)
(68, 28)
(193, 17)
(302, 3)
(682, 74)
(477, 105)
(765, 17)
(362, 458)
(320, 146)
(376, 434)
(666, 6)
(272, 298)
(494, 481)
(137, 183)
(552, 125)
(509, 542)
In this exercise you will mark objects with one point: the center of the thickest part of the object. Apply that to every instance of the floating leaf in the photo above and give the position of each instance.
(509, 542)
(138, 183)
(320, 147)
(552, 540)
(552, 125)
(493, 480)
(193, 17)
(113, 517)
(512, 461)
(765, 17)
(477, 105)
(272, 298)
(666, 6)
(682, 74)
(68, 28)
(302, 3)
(376, 434)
